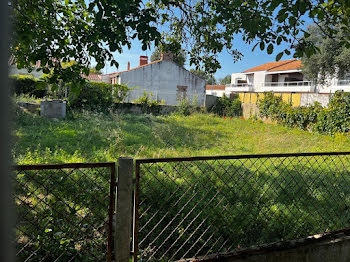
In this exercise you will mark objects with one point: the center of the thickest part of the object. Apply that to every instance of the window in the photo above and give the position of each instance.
(181, 93)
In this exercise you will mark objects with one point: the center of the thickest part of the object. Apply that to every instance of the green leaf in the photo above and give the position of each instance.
(262, 46)
(279, 56)
(270, 49)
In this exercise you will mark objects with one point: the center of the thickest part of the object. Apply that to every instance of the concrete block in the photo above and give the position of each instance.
(53, 109)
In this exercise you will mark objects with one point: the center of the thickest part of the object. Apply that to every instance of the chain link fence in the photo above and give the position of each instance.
(64, 212)
(190, 207)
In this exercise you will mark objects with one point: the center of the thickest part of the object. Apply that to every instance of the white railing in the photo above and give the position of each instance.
(295, 86)
(292, 83)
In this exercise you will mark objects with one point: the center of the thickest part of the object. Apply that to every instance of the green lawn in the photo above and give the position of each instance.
(245, 203)
(98, 137)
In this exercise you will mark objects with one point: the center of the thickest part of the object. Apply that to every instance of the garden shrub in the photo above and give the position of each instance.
(226, 106)
(335, 118)
(147, 100)
(28, 85)
(97, 96)
(186, 108)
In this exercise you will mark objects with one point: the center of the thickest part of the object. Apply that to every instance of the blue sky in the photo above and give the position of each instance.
(228, 66)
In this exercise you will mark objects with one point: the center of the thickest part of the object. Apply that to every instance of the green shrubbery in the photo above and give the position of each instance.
(186, 108)
(97, 96)
(147, 100)
(227, 106)
(335, 118)
(28, 85)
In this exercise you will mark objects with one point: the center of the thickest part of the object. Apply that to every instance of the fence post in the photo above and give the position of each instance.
(123, 209)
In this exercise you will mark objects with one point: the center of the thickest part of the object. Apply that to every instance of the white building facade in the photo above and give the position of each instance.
(281, 76)
(165, 79)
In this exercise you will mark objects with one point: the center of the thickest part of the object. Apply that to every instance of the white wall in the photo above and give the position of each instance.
(237, 76)
(162, 79)
(13, 70)
(259, 77)
(218, 93)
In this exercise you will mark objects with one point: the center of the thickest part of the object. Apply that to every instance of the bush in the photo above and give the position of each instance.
(147, 100)
(185, 108)
(28, 85)
(97, 96)
(335, 118)
(227, 107)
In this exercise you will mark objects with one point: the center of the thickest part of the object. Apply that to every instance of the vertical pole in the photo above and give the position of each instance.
(123, 209)
(136, 212)
(110, 213)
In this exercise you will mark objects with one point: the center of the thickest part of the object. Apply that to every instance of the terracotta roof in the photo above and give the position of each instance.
(269, 66)
(296, 64)
(215, 87)
(92, 77)
(118, 73)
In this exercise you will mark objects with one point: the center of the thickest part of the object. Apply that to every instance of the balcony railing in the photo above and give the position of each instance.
(292, 83)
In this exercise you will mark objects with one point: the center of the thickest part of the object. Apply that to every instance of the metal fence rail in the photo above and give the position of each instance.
(190, 207)
(64, 211)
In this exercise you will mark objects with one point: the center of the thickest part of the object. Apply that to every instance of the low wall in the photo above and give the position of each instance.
(130, 108)
(333, 247)
(249, 100)
(30, 107)
(53, 109)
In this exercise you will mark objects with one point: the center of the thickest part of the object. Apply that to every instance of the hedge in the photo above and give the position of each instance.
(27, 84)
(331, 120)
(227, 106)
(97, 96)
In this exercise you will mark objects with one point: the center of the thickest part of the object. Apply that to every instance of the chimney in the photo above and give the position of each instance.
(143, 60)
(167, 56)
(128, 66)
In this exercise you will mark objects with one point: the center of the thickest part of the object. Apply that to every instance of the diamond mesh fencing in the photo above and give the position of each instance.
(193, 207)
(64, 212)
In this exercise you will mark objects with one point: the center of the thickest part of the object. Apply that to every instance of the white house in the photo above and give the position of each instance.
(281, 76)
(163, 78)
(13, 70)
(215, 90)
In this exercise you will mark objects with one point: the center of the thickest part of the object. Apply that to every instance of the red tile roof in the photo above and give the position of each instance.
(92, 77)
(215, 87)
(269, 66)
(296, 64)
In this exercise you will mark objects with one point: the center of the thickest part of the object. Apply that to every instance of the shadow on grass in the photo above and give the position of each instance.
(91, 136)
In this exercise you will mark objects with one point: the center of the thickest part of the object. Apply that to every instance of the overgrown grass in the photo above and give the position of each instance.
(99, 137)
(26, 98)
(263, 203)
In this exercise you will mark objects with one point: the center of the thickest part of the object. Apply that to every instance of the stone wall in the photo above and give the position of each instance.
(130, 108)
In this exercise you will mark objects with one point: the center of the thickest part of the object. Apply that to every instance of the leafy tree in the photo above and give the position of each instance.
(55, 31)
(179, 58)
(332, 59)
(226, 80)
(210, 79)
(93, 70)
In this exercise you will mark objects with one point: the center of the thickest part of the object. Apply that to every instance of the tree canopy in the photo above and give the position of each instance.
(226, 80)
(332, 60)
(179, 58)
(55, 31)
(209, 78)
